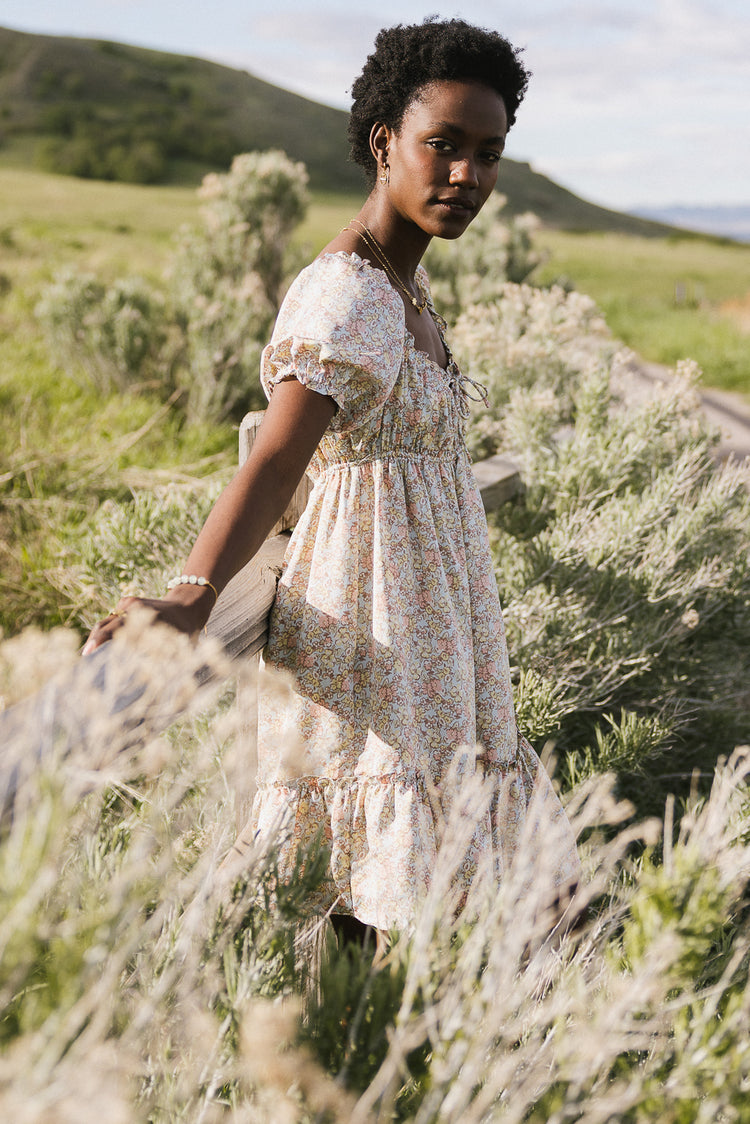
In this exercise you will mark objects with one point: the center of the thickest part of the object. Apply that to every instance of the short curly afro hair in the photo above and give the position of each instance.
(406, 58)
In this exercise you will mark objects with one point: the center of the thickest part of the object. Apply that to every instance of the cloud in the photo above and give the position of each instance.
(661, 170)
(627, 102)
(315, 52)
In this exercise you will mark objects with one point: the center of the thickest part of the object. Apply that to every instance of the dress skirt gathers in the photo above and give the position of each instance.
(387, 613)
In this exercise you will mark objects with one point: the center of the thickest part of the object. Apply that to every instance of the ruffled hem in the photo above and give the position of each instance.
(384, 833)
(381, 833)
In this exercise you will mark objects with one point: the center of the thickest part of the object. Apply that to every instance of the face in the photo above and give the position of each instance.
(443, 161)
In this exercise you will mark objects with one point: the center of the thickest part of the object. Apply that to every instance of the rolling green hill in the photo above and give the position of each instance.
(106, 110)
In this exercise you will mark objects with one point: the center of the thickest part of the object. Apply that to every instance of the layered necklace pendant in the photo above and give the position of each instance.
(372, 243)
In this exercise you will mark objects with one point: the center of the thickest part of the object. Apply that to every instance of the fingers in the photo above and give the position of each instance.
(105, 629)
(167, 612)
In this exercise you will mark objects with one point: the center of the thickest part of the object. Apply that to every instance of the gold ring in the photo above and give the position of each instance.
(117, 613)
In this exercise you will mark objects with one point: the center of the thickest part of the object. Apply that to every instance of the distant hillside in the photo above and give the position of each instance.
(727, 222)
(528, 190)
(143, 114)
(110, 111)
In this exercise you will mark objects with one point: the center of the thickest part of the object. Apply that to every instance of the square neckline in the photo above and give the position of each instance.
(450, 366)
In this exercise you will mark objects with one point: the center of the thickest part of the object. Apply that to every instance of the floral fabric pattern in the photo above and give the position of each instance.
(387, 614)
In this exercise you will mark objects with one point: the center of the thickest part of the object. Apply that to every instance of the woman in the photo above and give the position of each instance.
(387, 612)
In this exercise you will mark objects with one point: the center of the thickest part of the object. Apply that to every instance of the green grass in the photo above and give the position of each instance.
(49, 221)
(63, 448)
(327, 215)
(663, 297)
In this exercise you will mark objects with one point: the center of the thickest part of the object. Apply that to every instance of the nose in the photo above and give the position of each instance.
(464, 172)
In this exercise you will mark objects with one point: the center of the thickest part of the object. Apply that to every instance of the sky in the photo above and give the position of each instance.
(643, 103)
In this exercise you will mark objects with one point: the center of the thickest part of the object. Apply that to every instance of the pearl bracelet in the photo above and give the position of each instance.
(192, 579)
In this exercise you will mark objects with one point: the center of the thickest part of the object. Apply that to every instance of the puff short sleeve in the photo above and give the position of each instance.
(340, 331)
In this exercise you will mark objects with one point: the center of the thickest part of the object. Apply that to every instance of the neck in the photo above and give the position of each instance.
(412, 292)
(404, 242)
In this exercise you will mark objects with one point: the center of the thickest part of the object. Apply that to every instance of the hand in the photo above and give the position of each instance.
(188, 618)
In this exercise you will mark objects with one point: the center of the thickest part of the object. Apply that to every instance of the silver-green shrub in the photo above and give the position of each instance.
(227, 279)
(133, 547)
(544, 340)
(112, 334)
(623, 568)
(204, 333)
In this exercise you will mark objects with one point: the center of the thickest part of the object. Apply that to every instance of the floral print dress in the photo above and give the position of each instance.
(387, 614)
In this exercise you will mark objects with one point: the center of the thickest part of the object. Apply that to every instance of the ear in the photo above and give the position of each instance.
(380, 136)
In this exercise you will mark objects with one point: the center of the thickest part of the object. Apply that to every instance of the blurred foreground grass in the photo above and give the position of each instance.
(144, 979)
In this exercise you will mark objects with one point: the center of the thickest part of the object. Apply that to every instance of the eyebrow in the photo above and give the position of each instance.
(447, 125)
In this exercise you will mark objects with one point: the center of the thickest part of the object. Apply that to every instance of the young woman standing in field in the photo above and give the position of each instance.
(387, 612)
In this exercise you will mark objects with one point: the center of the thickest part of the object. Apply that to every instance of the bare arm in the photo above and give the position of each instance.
(246, 510)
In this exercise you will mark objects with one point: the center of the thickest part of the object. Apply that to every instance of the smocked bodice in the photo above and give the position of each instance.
(420, 420)
(421, 408)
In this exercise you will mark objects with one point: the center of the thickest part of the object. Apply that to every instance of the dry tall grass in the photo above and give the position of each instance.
(141, 979)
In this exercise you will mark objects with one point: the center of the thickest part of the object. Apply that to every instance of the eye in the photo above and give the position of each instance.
(440, 144)
(491, 156)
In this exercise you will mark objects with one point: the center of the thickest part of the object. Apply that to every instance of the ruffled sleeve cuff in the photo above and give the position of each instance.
(340, 332)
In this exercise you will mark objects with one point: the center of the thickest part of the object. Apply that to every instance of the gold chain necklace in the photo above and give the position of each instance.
(371, 241)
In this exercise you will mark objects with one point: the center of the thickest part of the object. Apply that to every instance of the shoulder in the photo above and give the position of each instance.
(341, 331)
(340, 291)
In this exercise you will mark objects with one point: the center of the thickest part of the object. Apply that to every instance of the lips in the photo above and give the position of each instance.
(458, 204)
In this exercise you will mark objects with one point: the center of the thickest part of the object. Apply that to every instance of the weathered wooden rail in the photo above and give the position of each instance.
(61, 719)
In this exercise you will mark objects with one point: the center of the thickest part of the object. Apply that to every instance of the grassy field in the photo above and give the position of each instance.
(49, 221)
(63, 449)
(327, 215)
(668, 299)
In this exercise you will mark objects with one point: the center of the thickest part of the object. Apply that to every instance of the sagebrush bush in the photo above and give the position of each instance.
(134, 547)
(623, 567)
(625, 579)
(204, 333)
(113, 333)
(227, 279)
(544, 341)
